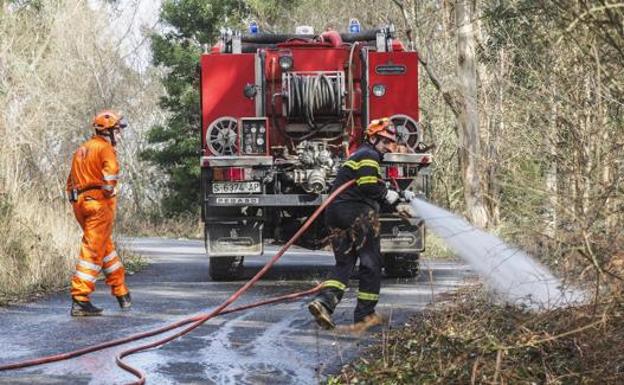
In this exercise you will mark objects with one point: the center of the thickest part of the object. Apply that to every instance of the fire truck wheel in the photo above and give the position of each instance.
(401, 265)
(226, 268)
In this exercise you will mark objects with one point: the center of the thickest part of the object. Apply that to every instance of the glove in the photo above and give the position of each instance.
(405, 210)
(392, 197)
(408, 195)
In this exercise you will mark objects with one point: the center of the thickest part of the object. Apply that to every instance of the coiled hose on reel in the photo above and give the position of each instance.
(311, 96)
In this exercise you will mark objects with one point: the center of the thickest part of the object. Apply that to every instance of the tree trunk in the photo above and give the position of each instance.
(468, 119)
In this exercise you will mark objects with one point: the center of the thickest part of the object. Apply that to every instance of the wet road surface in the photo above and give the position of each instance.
(275, 344)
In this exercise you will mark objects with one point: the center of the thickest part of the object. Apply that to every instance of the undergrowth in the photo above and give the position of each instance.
(475, 341)
(181, 226)
(38, 243)
(39, 247)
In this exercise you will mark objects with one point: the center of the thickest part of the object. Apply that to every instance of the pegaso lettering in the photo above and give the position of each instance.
(237, 201)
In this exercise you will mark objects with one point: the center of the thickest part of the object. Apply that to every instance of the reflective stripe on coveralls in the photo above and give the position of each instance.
(336, 284)
(90, 265)
(368, 296)
(111, 177)
(114, 267)
(85, 276)
(110, 257)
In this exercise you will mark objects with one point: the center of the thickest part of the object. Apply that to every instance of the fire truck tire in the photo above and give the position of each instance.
(401, 265)
(226, 268)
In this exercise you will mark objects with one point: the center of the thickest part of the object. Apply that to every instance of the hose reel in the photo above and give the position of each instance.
(311, 95)
(409, 131)
(222, 136)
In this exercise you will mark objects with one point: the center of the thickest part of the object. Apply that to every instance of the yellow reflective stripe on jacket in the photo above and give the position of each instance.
(370, 163)
(368, 296)
(366, 180)
(333, 283)
(353, 165)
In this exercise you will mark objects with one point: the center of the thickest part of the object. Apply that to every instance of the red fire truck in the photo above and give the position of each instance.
(280, 113)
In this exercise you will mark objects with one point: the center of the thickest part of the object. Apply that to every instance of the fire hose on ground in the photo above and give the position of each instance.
(195, 321)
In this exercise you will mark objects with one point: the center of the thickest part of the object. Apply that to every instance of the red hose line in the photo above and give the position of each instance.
(198, 319)
(141, 376)
(150, 333)
(396, 184)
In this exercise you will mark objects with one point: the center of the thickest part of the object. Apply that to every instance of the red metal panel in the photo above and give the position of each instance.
(224, 77)
(316, 59)
(398, 73)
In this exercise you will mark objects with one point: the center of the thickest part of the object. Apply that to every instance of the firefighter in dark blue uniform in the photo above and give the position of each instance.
(353, 223)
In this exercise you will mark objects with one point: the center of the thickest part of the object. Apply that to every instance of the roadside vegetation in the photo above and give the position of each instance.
(181, 226)
(470, 340)
(60, 62)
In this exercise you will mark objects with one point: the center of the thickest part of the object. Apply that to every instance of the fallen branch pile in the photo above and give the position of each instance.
(474, 341)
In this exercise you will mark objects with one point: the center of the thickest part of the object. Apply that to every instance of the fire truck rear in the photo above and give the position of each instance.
(280, 114)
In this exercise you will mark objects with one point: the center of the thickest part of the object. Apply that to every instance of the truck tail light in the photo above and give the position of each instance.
(235, 174)
(393, 172)
(229, 174)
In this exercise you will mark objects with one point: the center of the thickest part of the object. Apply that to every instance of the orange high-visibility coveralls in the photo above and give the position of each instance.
(94, 173)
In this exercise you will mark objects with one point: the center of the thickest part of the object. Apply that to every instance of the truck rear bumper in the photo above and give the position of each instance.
(264, 200)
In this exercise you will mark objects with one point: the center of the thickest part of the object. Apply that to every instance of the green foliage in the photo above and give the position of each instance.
(176, 144)
(271, 13)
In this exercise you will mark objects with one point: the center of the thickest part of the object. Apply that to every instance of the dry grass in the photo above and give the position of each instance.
(38, 247)
(473, 341)
(182, 226)
(133, 263)
(435, 248)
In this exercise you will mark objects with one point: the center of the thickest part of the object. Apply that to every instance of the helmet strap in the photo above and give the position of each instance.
(374, 141)
(108, 132)
(111, 135)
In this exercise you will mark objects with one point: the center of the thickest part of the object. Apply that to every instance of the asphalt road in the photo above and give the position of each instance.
(276, 344)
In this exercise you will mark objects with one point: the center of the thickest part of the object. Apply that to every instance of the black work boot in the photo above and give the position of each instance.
(125, 302)
(322, 307)
(84, 309)
(321, 314)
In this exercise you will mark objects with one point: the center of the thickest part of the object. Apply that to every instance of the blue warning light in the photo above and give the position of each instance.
(354, 26)
(253, 28)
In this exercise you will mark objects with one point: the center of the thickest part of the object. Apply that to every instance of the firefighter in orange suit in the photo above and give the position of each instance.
(91, 190)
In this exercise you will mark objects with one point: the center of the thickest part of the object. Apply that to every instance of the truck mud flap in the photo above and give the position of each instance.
(399, 235)
(224, 239)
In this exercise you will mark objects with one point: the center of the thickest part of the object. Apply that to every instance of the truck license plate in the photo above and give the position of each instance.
(236, 187)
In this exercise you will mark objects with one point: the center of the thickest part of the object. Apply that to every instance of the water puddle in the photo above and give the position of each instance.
(511, 273)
